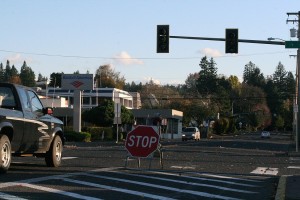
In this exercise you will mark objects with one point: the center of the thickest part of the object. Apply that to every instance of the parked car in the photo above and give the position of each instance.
(265, 134)
(190, 133)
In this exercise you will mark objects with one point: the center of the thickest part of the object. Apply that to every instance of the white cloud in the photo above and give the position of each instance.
(125, 59)
(148, 79)
(17, 59)
(211, 52)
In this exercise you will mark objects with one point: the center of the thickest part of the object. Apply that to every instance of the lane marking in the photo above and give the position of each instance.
(182, 167)
(142, 194)
(265, 170)
(197, 193)
(185, 182)
(294, 159)
(207, 179)
(10, 197)
(293, 167)
(46, 178)
(70, 194)
(231, 178)
(68, 158)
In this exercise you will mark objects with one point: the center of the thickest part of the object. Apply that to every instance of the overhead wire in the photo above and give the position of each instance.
(129, 58)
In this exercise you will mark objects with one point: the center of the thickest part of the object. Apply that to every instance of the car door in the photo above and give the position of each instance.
(11, 114)
(36, 131)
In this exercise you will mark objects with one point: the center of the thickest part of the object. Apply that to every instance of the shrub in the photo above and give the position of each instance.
(96, 133)
(73, 136)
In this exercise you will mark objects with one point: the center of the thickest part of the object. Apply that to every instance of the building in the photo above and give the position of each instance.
(171, 120)
(91, 98)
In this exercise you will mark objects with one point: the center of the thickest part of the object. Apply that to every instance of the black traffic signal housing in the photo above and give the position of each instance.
(231, 41)
(162, 41)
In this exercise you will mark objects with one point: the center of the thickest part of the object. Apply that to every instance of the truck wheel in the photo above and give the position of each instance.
(54, 155)
(5, 154)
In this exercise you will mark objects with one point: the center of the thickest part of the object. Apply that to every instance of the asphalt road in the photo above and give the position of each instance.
(241, 167)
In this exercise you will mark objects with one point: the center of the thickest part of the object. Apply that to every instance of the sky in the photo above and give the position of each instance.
(70, 35)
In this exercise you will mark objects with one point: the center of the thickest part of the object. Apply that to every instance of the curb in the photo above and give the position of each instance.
(280, 192)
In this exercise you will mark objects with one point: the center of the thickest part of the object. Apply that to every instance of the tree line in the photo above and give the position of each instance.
(256, 102)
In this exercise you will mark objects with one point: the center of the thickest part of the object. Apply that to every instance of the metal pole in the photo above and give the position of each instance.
(223, 39)
(298, 78)
(298, 100)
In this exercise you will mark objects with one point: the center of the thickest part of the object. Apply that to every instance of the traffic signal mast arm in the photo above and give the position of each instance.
(223, 39)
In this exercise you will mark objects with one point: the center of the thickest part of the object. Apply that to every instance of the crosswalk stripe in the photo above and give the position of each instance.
(231, 178)
(202, 194)
(207, 179)
(142, 194)
(189, 183)
(10, 197)
(70, 194)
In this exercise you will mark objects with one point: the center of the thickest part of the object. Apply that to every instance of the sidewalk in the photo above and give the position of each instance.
(288, 188)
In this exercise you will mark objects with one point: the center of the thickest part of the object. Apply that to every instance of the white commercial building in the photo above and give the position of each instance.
(91, 98)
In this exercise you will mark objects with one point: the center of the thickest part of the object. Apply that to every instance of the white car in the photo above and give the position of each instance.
(190, 133)
(265, 134)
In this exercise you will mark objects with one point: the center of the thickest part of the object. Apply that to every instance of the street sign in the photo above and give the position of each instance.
(292, 44)
(142, 141)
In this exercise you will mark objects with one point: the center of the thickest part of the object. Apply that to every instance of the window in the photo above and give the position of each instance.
(7, 98)
(36, 105)
(24, 99)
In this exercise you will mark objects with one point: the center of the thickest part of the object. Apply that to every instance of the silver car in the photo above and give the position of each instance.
(265, 134)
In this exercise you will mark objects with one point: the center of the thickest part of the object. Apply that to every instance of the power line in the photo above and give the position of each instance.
(132, 58)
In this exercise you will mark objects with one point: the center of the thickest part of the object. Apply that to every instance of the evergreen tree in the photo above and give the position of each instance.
(2, 73)
(207, 81)
(27, 75)
(7, 74)
(253, 76)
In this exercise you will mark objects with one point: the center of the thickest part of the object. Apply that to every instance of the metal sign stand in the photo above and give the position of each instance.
(150, 158)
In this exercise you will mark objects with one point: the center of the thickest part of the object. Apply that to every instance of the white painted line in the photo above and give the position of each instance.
(10, 197)
(207, 179)
(293, 167)
(141, 194)
(187, 183)
(197, 193)
(182, 167)
(68, 158)
(231, 178)
(46, 178)
(294, 159)
(46, 189)
(265, 171)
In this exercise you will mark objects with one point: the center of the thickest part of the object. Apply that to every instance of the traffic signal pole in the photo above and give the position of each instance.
(223, 39)
(297, 80)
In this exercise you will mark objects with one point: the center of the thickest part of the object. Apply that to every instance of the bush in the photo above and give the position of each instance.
(96, 133)
(221, 126)
(73, 136)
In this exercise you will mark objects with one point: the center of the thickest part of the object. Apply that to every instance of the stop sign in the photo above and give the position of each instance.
(142, 141)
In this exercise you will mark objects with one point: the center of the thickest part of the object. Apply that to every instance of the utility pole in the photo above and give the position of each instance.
(297, 78)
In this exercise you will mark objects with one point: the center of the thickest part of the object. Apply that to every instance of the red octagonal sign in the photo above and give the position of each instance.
(142, 141)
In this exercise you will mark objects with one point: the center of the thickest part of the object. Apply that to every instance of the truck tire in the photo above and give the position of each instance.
(5, 154)
(54, 156)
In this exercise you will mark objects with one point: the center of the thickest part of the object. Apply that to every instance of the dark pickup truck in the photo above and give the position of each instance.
(27, 128)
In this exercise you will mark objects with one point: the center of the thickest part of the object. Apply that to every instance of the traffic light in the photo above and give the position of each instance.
(232, 41)
(162, 42)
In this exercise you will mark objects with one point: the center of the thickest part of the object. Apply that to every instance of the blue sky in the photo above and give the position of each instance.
(70, 35)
